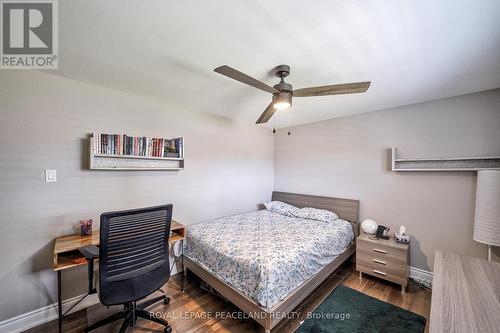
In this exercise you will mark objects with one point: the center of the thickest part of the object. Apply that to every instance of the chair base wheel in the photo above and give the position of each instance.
(166, 301)
(167, 329)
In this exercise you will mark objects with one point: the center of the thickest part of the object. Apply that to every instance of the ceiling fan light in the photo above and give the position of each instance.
(282, 100)
(282, 106)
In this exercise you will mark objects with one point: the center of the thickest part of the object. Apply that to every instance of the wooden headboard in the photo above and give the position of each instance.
(346, 209)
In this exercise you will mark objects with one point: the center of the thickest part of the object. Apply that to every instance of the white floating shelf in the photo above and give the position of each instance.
(444, 164)
(140, 157)
(108, 162)
(136, 169)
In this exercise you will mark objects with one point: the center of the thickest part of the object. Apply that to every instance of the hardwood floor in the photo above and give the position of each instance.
(196, 310)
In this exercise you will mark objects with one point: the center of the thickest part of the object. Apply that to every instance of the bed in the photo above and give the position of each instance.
(266, 263)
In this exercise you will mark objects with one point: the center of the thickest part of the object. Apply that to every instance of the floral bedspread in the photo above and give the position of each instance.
(266, 255)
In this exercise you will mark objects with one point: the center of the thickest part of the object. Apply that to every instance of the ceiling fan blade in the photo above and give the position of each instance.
(336, 89)
(267, 114)
(242, 77)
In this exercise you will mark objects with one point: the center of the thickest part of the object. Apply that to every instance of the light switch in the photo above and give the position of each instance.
(50, 176)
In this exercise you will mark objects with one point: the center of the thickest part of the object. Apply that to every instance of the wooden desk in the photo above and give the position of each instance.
(66, 255)
(465, 294)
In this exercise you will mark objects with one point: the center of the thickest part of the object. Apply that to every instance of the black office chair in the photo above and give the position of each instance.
(133, 262)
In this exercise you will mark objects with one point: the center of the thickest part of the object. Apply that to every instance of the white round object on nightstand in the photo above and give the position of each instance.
(369, 226)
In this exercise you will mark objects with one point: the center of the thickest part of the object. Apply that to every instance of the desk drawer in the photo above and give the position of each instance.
(385, 253)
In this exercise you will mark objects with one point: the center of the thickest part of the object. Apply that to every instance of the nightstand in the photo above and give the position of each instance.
(383, 258)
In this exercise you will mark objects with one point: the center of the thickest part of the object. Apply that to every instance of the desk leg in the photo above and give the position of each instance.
(182, 265)
(59, 300)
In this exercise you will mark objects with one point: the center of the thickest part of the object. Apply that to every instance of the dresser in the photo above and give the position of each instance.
(383, 258)
(465, 294)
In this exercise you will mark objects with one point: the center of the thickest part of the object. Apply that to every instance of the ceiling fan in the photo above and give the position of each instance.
(283, 92)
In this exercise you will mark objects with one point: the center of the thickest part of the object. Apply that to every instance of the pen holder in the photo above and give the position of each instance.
(86, 227)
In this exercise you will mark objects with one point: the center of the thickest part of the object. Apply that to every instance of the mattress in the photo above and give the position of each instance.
(266, 255)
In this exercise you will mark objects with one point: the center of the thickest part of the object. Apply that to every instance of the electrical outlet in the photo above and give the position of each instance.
(50, 176)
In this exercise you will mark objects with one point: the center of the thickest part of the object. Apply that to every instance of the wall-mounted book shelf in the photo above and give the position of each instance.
(123, 152)
(444, 164)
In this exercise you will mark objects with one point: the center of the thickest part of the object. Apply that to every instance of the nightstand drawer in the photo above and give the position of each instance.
(381, 258)
(386, 253)
(383, 273)
(381, 265)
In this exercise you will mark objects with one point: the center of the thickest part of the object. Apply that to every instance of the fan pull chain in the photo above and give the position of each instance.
(274, 130)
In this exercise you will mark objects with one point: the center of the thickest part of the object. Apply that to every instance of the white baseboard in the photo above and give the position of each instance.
(43, 315)
(421, 274)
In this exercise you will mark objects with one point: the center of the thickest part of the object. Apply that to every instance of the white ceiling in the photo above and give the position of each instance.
(412, 51)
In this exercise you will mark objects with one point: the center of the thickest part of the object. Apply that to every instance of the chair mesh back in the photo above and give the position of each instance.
(133, 243)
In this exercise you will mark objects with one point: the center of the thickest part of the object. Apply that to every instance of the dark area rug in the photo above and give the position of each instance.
(348, 310)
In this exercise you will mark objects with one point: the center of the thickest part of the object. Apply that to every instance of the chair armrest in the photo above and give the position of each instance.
(89, 252)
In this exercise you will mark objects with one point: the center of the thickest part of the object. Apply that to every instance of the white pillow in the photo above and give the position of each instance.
(316, 214)
(281, 208)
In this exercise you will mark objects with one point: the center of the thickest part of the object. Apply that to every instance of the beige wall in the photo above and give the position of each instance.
(348, 157)
(44, 121)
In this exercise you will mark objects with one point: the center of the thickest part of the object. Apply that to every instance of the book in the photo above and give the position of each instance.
(177, 145)
(166, 147)
(122, 144)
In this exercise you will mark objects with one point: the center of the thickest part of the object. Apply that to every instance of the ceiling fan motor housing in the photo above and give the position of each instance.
(283, 86)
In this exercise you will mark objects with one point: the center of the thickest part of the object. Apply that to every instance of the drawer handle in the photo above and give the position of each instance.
(380, 251)
(380, 262)
(379, 272)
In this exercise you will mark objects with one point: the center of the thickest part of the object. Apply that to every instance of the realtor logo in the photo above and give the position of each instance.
(29, 34)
